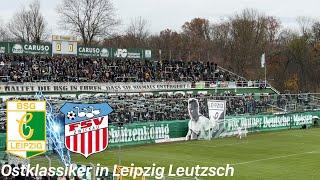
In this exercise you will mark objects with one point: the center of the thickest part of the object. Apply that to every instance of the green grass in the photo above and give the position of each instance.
(289, 154)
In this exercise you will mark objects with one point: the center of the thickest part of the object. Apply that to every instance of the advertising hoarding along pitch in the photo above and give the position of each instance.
(27, 48)
(131, 53)
(68, 46)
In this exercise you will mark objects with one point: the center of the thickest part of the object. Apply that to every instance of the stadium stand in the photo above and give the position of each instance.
(145, 107)
(24, 68)
(159, 107)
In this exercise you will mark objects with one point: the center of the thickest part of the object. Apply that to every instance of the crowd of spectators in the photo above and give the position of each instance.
(159, 107)
(164, 106)
(14, 68)
(134, 108)
(175, 107)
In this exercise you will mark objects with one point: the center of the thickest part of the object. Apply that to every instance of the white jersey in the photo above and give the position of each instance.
(203, 124)
(239, 130)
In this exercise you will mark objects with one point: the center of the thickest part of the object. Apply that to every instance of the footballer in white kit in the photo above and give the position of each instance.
(242, 132)
(199, 125)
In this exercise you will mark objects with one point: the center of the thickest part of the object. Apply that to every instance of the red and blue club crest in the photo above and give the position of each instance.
(86, 127)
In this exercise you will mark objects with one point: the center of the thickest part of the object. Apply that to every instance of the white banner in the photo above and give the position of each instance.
(217, 113)
(92, 87)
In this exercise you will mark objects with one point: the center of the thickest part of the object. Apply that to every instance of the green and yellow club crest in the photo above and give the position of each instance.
(26, 128)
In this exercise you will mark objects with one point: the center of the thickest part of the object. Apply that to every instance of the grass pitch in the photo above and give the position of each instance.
(288, 154)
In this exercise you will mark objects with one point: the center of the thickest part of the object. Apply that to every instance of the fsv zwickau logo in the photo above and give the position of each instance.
(86, 127)
(26, 128)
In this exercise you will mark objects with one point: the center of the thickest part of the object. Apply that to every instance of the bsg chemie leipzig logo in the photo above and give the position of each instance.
(26, 128)
(86, 127)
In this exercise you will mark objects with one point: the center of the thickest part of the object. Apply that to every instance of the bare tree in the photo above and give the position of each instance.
(220, 34)
(305, 25)
(87, 18)
(273, 27)
(245, 40)
(137, 32)
(138, 28)
(196, 33)
(286, 36)
(3, 32)
(38, 23)
(28, 25)
(197, 28)
(20, 26)
(316, 32)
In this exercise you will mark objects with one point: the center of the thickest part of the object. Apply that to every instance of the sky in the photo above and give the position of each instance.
(162, 14)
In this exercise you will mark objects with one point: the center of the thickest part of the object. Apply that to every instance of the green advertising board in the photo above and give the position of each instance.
(30, 48)
(132, 53)
(94, 52)
(270, 122)
(168, 131)
(148, 132)
(82, 51)
(102, 52)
